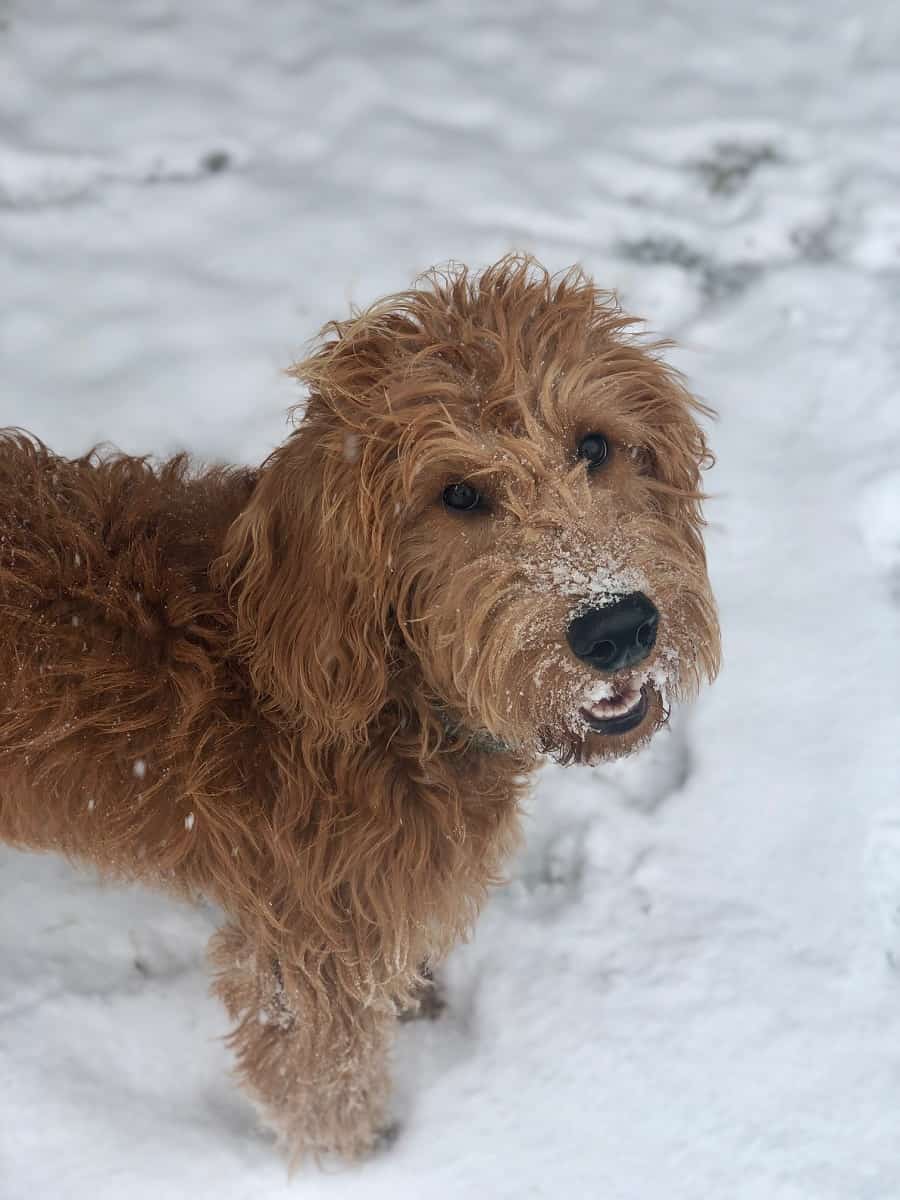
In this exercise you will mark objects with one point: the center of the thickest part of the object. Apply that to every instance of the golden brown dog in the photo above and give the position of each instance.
(313, 692)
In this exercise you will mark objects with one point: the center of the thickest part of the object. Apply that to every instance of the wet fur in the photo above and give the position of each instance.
(311, 693)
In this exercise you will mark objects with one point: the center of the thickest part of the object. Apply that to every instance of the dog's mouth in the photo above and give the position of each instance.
(619, 713)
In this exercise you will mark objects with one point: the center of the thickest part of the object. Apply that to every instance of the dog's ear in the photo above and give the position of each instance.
(306, 590)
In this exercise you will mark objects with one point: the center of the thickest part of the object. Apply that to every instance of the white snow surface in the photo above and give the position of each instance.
(690, 987)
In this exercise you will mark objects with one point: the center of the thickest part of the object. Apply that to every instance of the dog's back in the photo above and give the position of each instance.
(113, 653)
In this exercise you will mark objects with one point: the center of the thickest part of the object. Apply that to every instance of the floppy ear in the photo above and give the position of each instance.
(306, 588)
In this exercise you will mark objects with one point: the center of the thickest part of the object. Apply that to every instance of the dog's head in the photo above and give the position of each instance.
(491, 508)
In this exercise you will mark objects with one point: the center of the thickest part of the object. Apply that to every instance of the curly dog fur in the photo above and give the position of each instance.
(313, 692)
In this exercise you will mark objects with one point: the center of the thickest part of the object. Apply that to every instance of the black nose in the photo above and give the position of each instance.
(616, 636)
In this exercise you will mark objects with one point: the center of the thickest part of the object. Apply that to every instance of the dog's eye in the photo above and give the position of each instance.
(461, 497)
(594, 449)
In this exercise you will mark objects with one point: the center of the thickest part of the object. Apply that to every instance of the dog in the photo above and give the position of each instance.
(313, 692)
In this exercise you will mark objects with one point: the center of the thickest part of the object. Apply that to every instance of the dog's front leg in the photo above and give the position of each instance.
(311, 1055)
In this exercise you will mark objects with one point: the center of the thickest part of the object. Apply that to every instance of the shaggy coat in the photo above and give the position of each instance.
(313, 692)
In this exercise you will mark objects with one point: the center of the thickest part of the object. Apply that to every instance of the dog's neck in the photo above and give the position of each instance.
(478, 740)
(418, 706)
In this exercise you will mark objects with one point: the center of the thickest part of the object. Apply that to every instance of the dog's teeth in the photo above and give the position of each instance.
(618, 706)
(615, 708)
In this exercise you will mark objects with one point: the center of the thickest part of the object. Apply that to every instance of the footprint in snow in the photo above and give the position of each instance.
(879, 519)
(646, 780)
(882, 869)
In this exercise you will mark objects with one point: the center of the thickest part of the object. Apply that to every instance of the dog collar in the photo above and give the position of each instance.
(480, 740)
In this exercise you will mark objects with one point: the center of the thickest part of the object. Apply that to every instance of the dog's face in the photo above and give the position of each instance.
(552, 594)
(515, 481)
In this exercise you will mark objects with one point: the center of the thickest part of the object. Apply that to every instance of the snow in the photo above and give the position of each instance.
(689, 987)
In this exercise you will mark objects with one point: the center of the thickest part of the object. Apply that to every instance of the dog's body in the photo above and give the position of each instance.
(314, 692)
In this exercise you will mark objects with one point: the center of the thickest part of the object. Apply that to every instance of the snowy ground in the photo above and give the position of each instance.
(686, 992)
